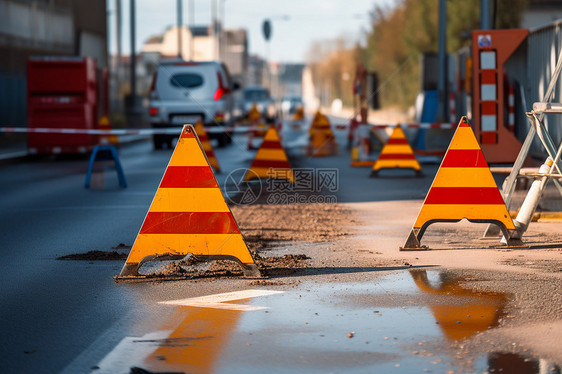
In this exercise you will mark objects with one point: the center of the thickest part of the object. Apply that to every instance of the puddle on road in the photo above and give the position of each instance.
(400, 323)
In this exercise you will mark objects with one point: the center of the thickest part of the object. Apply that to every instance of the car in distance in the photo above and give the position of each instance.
(187, 91)
(290, 104)
(261, 98)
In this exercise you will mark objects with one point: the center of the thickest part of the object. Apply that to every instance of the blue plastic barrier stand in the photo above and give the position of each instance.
(428, 115)
(113, 152)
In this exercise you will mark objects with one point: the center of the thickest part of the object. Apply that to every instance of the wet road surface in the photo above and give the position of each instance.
(70, 316)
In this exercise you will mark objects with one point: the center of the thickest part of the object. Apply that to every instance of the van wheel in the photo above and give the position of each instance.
(157, 142)
(223, 140)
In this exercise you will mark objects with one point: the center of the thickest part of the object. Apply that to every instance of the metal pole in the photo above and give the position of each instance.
(485, 18)
(215, 28)
(133, 55)
(117, 62)
(179, 12)
(224, 34)
(191, 25)
(442, 112)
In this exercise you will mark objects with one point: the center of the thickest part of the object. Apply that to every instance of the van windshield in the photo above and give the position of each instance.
(186, 80)
(256, 95)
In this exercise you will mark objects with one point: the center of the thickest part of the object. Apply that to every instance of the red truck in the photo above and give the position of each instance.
(62, 92)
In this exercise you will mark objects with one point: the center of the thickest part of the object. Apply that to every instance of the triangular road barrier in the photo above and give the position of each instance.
(463, 188)
(397, 153)
(271, 161)
(189, 215)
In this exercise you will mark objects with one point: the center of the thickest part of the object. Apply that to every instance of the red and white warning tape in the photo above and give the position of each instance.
(444, 126)
(166, 130)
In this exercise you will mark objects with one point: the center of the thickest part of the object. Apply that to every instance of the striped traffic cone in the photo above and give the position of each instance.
(271, 160)
(397, 153)
(189, 215)
(207, 147)
(463, 188)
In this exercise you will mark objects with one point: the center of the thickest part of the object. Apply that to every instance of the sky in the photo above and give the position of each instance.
(295, 23)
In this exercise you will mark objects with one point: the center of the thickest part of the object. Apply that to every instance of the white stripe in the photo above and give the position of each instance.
(488, 123)
(488, 92)
(488, 60)
(217, 301)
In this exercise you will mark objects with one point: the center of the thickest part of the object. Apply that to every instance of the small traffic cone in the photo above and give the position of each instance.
(463, 188)
(104, 124)
(207, 147)
(299, 114)
(257, 126)
(189, 215)
(322, 138)
(397, 153)
(271, 161)
(254, 114)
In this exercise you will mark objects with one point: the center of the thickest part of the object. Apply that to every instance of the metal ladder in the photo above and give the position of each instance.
(535, 118)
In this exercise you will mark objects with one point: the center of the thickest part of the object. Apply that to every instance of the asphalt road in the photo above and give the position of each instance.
(70, 316)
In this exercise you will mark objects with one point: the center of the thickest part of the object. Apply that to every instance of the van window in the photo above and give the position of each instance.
(188, 80)
(256, 94)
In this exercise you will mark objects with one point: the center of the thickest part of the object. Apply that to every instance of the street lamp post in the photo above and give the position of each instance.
(267, 30)
(179, 12)
(442, 64)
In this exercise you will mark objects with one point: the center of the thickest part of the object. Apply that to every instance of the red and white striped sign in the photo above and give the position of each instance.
(488, 96)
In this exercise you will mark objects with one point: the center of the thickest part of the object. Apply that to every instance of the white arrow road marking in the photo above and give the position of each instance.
(220, 301)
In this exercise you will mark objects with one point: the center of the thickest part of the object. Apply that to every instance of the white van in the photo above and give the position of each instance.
(183, 92)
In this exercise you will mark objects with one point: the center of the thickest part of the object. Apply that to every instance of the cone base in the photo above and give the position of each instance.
(359, 164)
(131, 270)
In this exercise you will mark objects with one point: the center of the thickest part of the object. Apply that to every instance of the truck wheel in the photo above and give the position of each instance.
(157, 141)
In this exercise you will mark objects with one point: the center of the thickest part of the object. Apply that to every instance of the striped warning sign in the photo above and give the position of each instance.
(463, 188)
(207, 147)
(189, 215)
(397, 153)
(271, 160)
